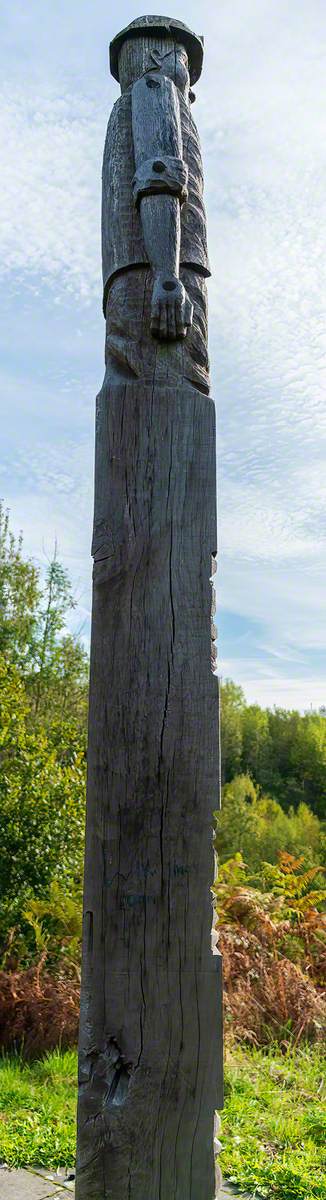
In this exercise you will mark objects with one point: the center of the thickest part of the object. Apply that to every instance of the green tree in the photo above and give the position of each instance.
(256, 826)
(235, 824)
(283, 752)
(43, 705)
(256, 746)
(33, 635)
(296, 770)
(58, 682)
(232, 709)
(20, 597)
(41, 804)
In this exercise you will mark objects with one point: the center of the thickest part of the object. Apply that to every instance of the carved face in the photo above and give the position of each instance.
(142, 54)
(174, 64)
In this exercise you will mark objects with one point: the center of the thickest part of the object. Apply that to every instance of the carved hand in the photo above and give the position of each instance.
(172, 311)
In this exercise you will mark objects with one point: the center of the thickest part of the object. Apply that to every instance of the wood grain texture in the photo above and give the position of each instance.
(136, 55)
(122, 236)
(131, 351)
(156, 123)
(150, 1056)
(150, 1035)
(130, 50)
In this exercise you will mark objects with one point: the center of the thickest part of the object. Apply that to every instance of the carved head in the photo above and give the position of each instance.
(157, 43)
(173, 62)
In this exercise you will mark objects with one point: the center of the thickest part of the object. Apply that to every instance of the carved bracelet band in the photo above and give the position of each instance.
(161, 174)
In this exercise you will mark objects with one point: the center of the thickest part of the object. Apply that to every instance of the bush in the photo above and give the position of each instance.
(283, 752)
(273, 944)
(37, 1011)
(43, 704)
(257, 827)
(41, 806)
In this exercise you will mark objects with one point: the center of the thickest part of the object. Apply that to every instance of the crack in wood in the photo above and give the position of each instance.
(150, 1034)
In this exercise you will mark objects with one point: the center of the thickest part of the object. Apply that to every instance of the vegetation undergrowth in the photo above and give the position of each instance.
(273, 941)
(273, 1124)
(269, 899)
(38, 1110)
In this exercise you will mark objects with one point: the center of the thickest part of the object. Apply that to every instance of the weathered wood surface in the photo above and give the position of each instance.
(122, 235)
(150, 1032)
(130, 48)
(150, 1054)
(131, 351)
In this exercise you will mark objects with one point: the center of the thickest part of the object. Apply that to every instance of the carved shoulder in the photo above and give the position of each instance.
(156, 123)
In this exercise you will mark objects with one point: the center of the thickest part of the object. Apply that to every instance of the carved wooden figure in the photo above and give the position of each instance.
(150, 1073)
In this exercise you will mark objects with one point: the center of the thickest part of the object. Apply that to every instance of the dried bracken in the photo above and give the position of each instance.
(267, 998)
(274, 951)
(37, 1011)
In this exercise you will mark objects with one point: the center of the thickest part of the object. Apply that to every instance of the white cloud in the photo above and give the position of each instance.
(261, 112)
(269, 690)
(51, 147)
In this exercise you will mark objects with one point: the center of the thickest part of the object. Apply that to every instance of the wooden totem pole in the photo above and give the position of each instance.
(150, 1029)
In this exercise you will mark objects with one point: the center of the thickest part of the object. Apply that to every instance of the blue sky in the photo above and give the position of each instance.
(261, 112)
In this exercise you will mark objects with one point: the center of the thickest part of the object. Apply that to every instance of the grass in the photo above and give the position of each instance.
(38, 1111)
(274, 1122)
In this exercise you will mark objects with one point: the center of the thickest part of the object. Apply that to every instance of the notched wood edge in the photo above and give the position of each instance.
(213, 611)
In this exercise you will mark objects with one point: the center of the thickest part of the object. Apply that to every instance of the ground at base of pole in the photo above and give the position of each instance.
(35, 1185)
(49, 1185)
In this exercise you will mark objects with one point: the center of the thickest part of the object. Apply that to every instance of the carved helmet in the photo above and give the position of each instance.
(159, 26)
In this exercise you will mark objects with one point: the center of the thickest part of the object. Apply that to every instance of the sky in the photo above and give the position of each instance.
(261, 113)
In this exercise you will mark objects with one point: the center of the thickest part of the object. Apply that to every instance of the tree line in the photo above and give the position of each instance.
(273, 762)
(283, 752)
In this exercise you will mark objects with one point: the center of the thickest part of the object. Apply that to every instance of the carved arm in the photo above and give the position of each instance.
(160, 188)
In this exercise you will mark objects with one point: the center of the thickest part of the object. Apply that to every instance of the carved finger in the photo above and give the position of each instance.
(155, 323)
(155, 317)
(155, 328)
(163, 321)
(188, 311)
(180, 323)
(171, 321)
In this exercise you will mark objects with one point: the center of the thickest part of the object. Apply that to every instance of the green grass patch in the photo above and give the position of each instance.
(38, 1111)
(273, 1125)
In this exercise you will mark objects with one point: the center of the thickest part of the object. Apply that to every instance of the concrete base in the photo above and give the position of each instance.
(34, 1185)
(49, 1185)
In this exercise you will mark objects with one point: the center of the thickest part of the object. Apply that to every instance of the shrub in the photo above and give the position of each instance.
(257, 827)
(37, 1011)
(41, 805)
(274, 950)
(283, 752)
